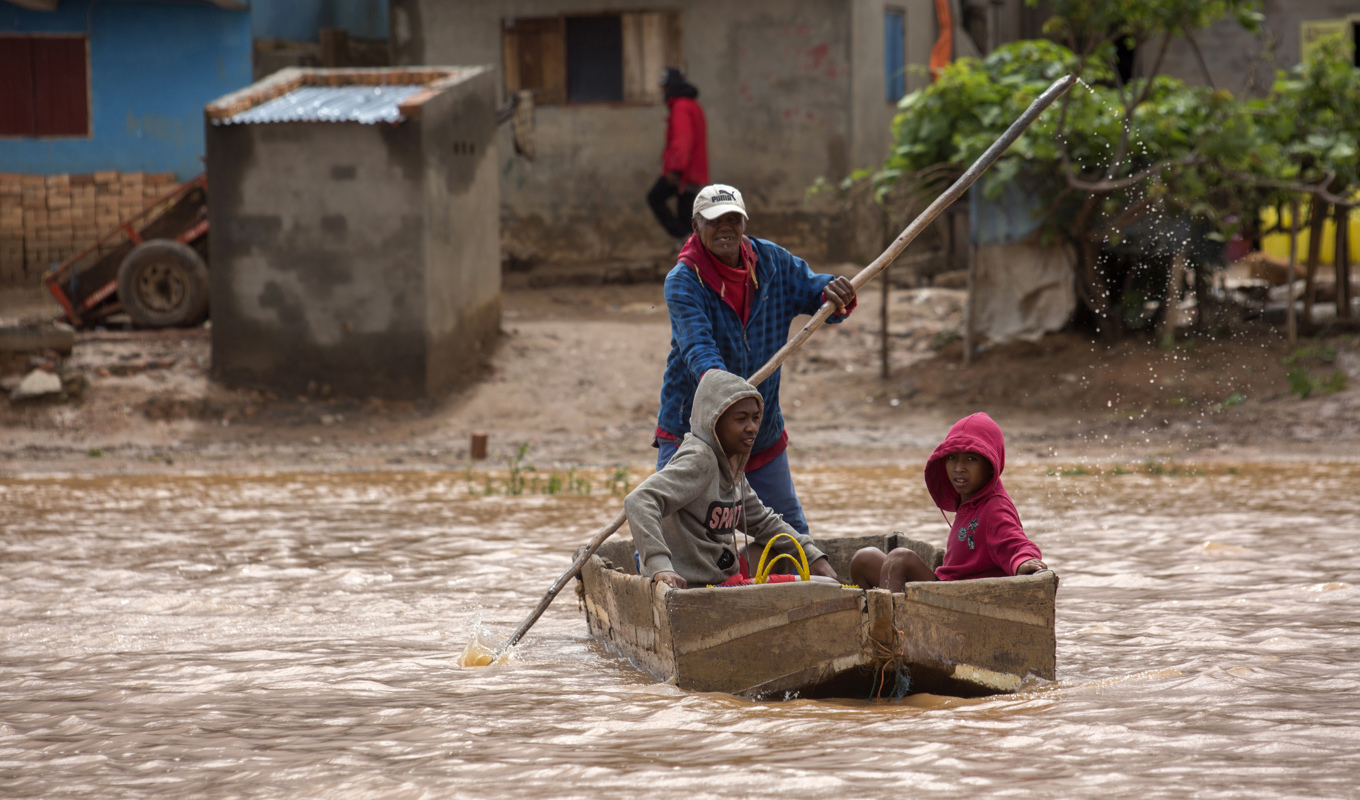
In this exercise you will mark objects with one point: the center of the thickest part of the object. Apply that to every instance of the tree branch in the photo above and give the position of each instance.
(1318, 189)
(1203, 67)
(1107, 185)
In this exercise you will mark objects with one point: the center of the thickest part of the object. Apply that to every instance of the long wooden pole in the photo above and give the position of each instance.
(865, 275)
(923, 221)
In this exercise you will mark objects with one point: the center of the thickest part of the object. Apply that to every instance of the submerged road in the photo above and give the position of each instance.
(298, 635)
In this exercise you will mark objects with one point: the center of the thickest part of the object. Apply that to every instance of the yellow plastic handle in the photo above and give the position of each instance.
(763, 569)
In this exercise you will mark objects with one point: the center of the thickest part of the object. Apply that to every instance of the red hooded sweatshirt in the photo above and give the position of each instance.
(986, 540)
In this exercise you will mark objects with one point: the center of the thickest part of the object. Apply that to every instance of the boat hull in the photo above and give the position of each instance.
(962, 638)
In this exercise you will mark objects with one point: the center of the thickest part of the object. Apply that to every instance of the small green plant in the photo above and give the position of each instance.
(516, 483)
(94, 452)
(1119, 470)
(577, 484)
(1154, 467)
(944, 338)
(1067, 472)
(1235, 399)
(524, 478)
(1304, 384)
(1325, 353)
(618, 483)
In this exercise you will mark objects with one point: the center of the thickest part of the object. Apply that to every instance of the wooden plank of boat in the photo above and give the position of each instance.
(816, 639)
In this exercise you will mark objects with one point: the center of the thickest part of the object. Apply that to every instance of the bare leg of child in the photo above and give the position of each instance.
(866, 566)
(901, 567)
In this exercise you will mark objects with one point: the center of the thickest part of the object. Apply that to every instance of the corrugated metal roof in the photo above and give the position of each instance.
(363, 104)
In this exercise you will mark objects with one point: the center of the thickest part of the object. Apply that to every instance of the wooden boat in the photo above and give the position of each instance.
(963, 638)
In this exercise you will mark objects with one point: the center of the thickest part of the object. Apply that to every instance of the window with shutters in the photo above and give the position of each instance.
(598, 58)
(44, 86)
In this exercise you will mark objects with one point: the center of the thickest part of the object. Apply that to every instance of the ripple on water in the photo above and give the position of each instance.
(312, 635)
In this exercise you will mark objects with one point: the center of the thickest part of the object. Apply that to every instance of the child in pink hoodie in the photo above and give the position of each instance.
(985, 541)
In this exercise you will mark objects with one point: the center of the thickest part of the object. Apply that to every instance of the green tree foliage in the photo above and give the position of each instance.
(1118, 156)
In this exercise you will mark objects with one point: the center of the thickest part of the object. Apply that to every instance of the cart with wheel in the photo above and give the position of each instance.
(152, 265)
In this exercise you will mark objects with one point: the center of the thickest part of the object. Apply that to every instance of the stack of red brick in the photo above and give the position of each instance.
(45, 219)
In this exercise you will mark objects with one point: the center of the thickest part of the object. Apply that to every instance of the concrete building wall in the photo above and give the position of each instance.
(462, 228)
(792, 90)
(152, 67)
(300, 20)
(317, 257)
(1242, 62)
(359, 257)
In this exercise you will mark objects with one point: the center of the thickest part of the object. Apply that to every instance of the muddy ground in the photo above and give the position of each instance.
(577, 372)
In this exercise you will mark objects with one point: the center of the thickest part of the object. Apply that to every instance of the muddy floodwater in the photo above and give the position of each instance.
(299, 635)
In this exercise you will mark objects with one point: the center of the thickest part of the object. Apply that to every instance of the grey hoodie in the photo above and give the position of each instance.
(685, 518)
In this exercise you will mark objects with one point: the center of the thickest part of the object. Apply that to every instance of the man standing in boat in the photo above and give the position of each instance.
(731, 300)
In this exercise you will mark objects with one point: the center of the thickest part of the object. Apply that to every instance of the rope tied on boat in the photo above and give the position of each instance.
(892, 657)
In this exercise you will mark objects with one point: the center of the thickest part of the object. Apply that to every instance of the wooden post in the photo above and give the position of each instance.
(884, 370)
(969, 305)
(1317, 217)
(1291, 324)
(1343, 263)
(1171, 310)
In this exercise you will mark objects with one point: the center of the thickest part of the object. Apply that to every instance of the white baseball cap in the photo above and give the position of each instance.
(718, 199)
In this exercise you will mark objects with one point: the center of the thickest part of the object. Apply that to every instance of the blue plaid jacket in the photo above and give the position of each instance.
(707, 334)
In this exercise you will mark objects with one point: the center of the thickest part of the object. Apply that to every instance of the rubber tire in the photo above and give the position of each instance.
(163, 284)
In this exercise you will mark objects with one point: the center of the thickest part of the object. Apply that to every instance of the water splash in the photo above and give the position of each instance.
(480, 650)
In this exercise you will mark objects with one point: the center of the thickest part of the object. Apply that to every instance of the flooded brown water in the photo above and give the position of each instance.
(298, 636)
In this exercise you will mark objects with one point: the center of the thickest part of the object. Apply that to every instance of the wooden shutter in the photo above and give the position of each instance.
(651, 42)
(61, 86)
(536, 58)
(16, 86)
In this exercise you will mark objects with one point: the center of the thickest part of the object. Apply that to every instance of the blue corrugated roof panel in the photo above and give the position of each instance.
(365, 104)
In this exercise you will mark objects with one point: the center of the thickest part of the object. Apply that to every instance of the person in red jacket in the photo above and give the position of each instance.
(985, 540)
(684, 165)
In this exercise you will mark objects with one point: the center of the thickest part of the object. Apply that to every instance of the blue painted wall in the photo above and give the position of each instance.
(153, 66)
(300, 20)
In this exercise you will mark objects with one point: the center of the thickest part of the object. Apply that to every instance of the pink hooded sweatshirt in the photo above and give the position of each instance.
(986, 540)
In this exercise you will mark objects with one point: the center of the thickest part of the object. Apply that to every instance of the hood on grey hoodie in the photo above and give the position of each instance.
(717, 392)
(685, 518)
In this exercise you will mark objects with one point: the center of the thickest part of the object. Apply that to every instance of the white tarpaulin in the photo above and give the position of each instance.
(1022, 291)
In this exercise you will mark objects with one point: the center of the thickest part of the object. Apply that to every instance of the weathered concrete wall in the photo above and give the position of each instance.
(462, 230)
(792, 90)
(1242, 62)
(317, 257)
(359, 257)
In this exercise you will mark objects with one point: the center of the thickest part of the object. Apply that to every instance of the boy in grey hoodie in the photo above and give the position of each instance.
(685, 518)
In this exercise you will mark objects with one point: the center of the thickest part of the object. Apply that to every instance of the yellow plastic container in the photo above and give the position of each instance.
(1277, 244)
